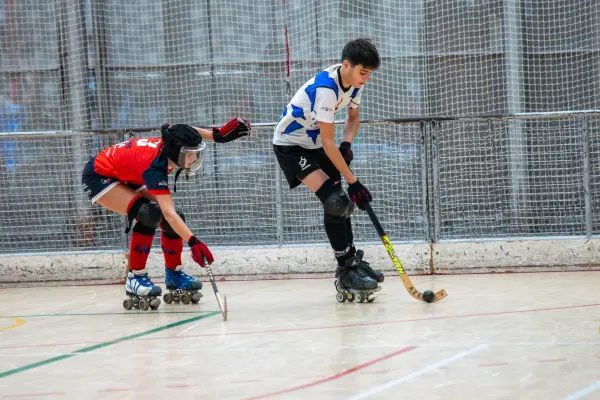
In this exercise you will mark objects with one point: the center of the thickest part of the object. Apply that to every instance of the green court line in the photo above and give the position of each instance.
(95, 314)
(105, 344)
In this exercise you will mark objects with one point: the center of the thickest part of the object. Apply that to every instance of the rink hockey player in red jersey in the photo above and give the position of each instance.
(131, 178)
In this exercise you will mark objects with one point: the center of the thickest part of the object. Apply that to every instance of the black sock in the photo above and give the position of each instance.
(349, 233)
(325, 190)
(335, 227)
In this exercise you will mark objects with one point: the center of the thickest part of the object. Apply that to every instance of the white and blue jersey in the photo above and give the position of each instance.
(318, 100)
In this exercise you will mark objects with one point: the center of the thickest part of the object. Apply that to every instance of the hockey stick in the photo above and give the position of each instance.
(439, 295)
(222, 303)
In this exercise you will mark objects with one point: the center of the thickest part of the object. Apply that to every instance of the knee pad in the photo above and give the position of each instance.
(166, 228)
(338, 204)
(147, 214)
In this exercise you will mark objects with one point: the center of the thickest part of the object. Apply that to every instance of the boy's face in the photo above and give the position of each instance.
(359, 75)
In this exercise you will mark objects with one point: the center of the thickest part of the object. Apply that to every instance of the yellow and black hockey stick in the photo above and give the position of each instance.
(437, 296)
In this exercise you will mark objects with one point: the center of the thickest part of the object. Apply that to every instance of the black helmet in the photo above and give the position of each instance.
(179, 141)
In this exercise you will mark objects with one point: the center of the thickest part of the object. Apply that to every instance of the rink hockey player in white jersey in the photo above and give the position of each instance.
(306, 152)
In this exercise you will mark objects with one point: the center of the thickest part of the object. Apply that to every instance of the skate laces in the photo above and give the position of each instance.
(181, 276)
(185, 276)
(365, 265)
(362, 263)
(143, 280)
(360, 273)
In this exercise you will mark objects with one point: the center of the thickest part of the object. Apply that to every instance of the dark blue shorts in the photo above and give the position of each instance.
(96, 186)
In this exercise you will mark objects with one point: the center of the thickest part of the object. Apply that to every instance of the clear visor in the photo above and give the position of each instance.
(191, 159)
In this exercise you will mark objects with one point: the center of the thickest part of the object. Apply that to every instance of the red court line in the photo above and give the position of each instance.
(182, 385)
(323, 327)
(382, 322)
(11, 396)
(493, 364)
(333, 377)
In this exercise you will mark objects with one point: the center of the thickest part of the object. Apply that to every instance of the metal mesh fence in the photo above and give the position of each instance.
(507, 178)
(431, 180)
(108, 64)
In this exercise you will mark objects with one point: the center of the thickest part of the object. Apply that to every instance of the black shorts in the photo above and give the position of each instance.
(96, 186)
(297, 162)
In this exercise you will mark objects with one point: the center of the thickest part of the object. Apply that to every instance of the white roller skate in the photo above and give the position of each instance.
(182, 287)
(142, 293)
(353, 284)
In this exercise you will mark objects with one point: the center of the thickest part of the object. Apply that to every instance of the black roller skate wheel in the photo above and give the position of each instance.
(186, 298)
(128, 304)
(176, 298)
(359, 297)
(340, 297)
(337, 287)
(168, 298)
(196, 298)
(154, 304)
(144, 304)
(350, 296)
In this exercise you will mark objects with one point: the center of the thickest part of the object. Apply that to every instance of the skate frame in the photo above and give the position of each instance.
(222, 303)
(439, 295)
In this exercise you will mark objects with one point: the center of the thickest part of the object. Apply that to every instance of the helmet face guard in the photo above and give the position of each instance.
(192, 157)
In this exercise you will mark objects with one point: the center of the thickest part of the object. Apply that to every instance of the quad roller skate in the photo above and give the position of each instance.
(359, 296)
(353, 284)
(366, 268)
(182, 287)
(142, 293)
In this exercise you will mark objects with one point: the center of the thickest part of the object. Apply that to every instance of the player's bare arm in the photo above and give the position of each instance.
(351, 125)
(332, 151)
(167, 207)
(350, 129)
(234, 129)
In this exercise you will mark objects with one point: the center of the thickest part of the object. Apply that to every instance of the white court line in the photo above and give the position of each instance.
(420, 372)
(185, 330)
(584, 392)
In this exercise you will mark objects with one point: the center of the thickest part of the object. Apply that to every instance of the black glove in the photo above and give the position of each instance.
(359, 194)
(234, 129)
(346, 152)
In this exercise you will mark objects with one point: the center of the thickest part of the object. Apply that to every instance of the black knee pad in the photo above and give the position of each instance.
(166, 228)
(147, 214)
(337, 204)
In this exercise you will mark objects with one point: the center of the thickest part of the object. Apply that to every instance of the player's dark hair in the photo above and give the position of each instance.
(361, 51)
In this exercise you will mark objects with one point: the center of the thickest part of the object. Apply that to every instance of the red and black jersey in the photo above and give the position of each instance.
(137, 161)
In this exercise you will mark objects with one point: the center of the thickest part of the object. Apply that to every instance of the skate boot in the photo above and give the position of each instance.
(182, 287)
(142, 293)
(366, 268)
(353, 283)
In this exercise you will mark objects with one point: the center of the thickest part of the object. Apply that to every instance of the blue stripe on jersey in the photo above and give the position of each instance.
(354, 93)
(322, 79)
(293, 126)
(282, 115)
(297, 112)
(313, 134)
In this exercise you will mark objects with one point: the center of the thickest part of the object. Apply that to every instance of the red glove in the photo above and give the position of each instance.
(359, 194)
(200, 251)
(346, 152)
(234, 129)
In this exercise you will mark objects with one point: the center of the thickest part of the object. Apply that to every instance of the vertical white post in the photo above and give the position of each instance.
(513, 52)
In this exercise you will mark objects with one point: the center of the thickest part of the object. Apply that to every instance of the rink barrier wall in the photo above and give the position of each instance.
(240, 263)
